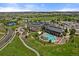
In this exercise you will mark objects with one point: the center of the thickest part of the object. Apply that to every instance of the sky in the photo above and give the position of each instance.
(22, 7)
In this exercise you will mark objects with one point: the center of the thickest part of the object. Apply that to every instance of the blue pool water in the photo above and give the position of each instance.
(50, 37)
(11, 23)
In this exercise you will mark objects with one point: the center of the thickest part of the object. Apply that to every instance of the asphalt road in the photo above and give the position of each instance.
(7, 38)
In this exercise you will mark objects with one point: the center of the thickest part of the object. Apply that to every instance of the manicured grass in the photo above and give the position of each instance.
(48, 18)
(16, 48)
(12, 27)
(2, 31)
(69, 49)
(42, 18)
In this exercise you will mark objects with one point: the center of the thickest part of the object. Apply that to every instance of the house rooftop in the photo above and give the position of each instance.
(54, 28)
(77, 26)
(36, 23)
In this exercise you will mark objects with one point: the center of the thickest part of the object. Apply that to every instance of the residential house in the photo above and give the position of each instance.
(52, 29)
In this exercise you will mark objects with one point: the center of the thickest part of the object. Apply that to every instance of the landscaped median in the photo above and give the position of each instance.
(1, 35)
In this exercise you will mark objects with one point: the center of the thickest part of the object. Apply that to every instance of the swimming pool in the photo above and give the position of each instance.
(48, 37)
(11, 23)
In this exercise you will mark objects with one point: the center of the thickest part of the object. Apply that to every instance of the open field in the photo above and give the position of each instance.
(58, 18)
(68, 49)
(16, 48)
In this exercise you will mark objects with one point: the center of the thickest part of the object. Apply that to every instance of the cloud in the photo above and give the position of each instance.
(27, 7)
(39, 1)
(67, 9)
(22, 8)
(16, 8)
(9, 9)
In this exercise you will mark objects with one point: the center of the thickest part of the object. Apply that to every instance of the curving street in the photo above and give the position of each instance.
(9, 36)
(6, 38)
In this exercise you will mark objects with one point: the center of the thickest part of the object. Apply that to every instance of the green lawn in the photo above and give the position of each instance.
(53, 18)
(16, 48)
(68, 49)
(42, 18)
(12, 27)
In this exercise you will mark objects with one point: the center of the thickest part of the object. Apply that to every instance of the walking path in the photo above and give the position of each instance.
(28, 46)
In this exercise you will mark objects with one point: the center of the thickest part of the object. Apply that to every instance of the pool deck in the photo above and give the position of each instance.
(54, 39)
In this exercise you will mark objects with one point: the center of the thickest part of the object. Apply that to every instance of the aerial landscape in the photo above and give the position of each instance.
(41, 29)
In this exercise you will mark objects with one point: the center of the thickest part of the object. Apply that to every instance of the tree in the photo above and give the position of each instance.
(52, 20)
(71, 38)
(66, 30)
(19, 18)
(49, 41)
(43, 28)
(35, 35)
(72, 31)
(64, 33)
